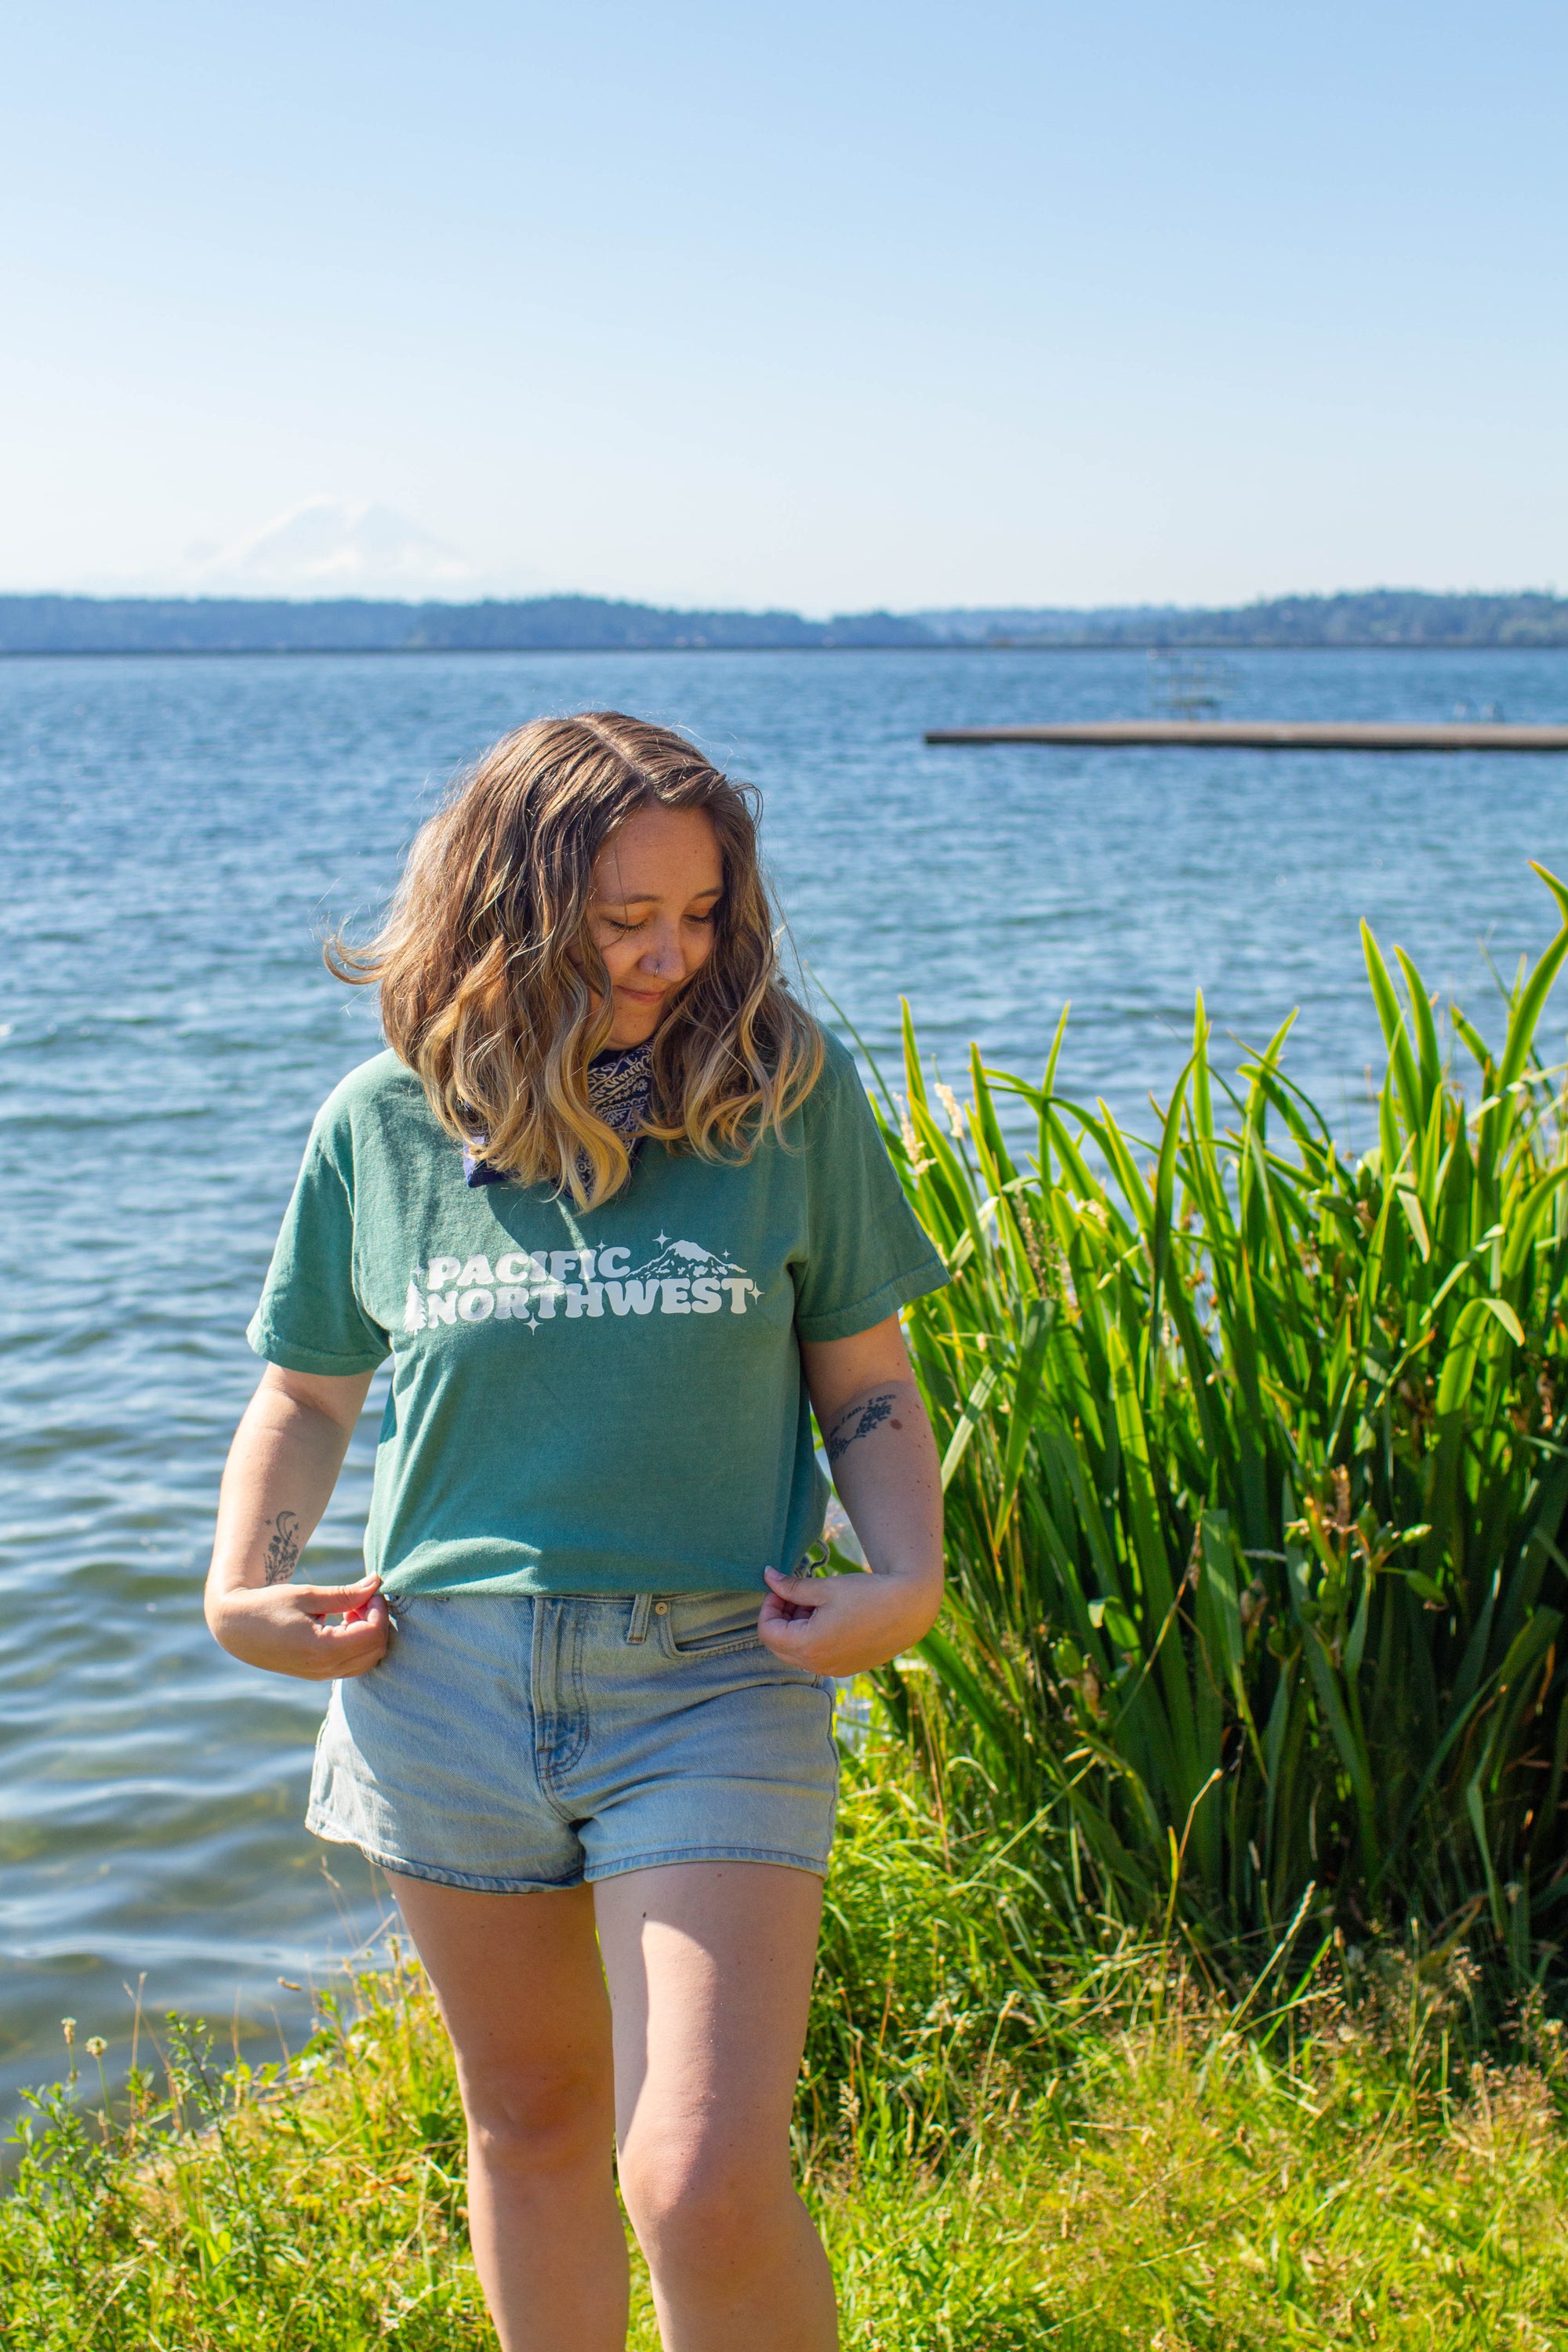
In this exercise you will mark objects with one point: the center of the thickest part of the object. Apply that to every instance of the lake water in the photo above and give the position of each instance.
(177, 837)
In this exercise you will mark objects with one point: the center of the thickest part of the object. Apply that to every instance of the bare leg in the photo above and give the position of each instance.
(709, 1971)
(519, 1984)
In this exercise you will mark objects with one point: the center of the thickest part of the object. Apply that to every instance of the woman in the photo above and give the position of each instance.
(620, 1215)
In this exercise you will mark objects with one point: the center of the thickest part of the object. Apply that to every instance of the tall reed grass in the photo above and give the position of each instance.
(1255, 1451)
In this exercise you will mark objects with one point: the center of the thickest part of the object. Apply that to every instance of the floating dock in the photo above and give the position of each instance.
(1272, 735)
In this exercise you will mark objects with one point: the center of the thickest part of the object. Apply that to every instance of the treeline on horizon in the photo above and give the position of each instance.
(212, 625)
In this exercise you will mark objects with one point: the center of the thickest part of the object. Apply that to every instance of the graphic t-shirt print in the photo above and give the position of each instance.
(538, 1286)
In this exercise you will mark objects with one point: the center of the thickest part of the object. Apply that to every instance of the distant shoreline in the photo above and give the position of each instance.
(1406, 620)
(938, 645)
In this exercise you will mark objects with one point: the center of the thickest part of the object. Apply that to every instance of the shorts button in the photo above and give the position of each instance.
(661, 1608)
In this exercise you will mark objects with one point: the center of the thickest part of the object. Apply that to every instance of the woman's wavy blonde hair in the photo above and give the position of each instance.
(493, 990)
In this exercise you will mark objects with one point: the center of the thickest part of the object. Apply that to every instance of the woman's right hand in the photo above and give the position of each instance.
(285, 1627)
(282, 1466)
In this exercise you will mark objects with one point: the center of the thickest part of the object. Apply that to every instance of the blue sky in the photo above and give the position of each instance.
(827, 306)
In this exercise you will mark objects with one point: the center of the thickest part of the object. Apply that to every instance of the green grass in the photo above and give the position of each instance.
(1256, 1462)
(1011, 2138)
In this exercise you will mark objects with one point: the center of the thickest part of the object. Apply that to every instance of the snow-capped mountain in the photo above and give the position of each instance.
(685, 1259)
(326, 547)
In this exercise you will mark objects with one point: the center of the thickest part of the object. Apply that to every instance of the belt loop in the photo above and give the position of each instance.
(642, 1609)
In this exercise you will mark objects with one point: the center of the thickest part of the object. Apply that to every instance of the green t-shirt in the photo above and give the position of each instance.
(608, 1404)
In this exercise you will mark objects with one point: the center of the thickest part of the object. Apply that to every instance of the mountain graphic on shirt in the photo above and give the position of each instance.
(684, 1260)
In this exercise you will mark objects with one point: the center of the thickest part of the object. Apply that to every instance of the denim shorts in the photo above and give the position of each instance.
(514, 1743)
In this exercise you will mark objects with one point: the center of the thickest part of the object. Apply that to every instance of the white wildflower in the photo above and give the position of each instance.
(919, 1164)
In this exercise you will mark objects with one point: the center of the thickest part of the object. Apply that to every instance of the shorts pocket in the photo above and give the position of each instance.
(711, 1626)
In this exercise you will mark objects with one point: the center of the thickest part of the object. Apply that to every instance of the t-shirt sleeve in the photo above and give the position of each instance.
(867, 1255)
(310, 1318)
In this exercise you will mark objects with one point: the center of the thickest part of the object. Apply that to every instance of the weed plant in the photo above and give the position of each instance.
(1256, 1468)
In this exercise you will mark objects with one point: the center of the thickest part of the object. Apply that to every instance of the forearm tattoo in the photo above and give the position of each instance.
(284, 1548)
(859, 1420)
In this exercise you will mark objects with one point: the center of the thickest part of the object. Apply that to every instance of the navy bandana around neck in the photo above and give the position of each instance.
(619, 1084)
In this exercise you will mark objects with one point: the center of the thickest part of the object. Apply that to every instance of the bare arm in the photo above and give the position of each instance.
(281, 1469)
(883, 1459)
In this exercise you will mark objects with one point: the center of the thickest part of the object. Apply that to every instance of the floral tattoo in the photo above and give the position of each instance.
(284, 1548)
(865, 1418)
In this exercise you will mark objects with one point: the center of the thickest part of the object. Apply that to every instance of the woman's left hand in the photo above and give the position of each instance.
(846, 1624)
(883, 1460)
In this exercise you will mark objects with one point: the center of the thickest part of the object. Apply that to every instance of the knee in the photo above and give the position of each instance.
(538, 2125)
(701, 2212)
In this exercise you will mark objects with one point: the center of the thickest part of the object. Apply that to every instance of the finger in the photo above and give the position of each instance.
(335, 1596)
(371, 1610)
(353, 1630)
(353, 1639)
(337, 1647)
(783, 1612)
(805, 1592)
(332, 1666)
(789, 1626)
(339, 1600)
(791, 1642)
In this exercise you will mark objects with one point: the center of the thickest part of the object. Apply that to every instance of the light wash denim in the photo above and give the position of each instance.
(513, 1744)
